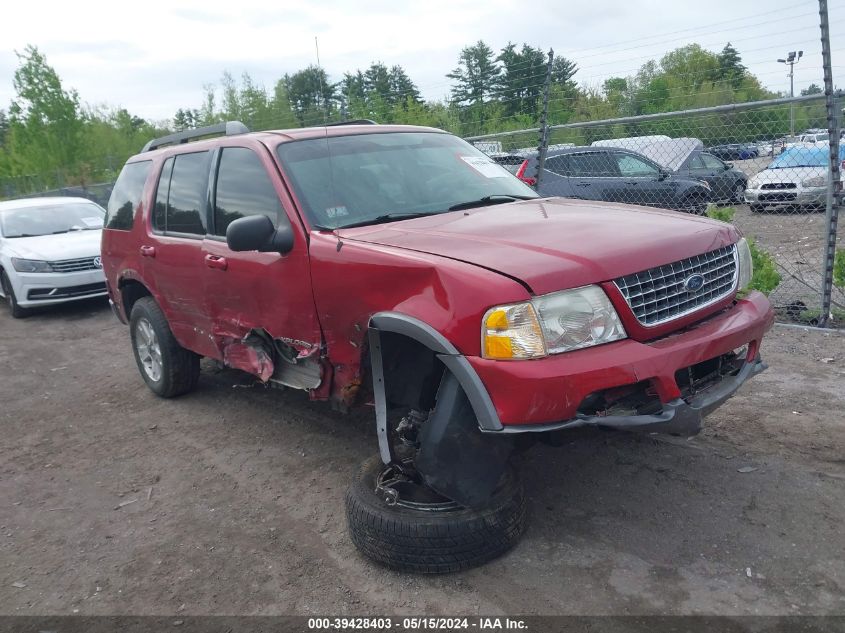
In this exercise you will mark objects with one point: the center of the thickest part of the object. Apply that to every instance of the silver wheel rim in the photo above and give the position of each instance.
(740, 192)
(148, 348)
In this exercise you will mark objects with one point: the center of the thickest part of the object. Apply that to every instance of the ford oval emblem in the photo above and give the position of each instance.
(98, 262)
(694, 283)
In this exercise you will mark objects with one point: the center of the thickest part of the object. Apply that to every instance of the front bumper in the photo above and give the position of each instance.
(38, 289)
(799, 197)
(545, 394)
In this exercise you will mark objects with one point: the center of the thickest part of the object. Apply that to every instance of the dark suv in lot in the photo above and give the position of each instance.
(398, 267)
(611, 174)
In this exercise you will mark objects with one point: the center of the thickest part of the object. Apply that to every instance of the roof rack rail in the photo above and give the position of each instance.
(353, 122)
(229, 128)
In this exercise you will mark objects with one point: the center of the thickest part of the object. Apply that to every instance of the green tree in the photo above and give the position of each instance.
(521, 80)
(45, 122)
(477, 75)
(730, 66)
(812, 89)
(312, 96)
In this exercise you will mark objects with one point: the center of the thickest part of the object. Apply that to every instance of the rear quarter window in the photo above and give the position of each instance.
(126, 195)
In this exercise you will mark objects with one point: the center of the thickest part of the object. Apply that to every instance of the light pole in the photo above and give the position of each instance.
(791, 59)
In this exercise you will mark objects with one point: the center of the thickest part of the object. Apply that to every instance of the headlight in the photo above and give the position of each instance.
(31, 266)
(816, 181)
(578, 318)
(551, 324)
(746, 267)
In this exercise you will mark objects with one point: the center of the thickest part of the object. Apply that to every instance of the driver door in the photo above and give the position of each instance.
(260, 304)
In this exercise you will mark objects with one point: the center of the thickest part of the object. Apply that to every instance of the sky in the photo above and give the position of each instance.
(154, 57)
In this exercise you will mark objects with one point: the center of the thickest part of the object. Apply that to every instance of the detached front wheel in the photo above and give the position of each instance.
(401, 523)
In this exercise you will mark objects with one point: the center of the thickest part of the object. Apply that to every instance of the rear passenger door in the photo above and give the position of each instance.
(173, 258)
(594, 176)
(256, 292)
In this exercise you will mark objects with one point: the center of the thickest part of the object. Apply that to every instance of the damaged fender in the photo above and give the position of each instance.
(456, 459)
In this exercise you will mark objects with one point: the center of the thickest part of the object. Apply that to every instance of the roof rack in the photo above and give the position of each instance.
(353, 122)
(229, 128)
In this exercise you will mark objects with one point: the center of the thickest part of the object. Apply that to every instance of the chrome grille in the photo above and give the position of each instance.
(76, 265)
(659, 294)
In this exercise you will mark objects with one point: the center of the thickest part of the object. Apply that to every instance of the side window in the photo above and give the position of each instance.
(243, 189)
(711, 162)
(697, 162)
(163, 189)
(558, 164)
(186, 199)
(632, 167)
(126, 195)
(593, 164)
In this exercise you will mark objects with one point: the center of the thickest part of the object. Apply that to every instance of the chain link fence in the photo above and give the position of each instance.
(96, 186)
(736, 163)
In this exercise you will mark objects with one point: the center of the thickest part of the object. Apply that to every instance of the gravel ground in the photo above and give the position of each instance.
(230, 500)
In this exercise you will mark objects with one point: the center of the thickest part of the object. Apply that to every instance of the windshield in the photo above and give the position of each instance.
(50, 219)
(369, 178)
(804, 157)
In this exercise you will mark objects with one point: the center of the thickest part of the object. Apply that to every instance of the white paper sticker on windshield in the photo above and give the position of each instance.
(95, 221)
(336, 212)
(485, 167)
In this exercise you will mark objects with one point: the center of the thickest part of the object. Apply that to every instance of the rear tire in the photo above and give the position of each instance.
(433, 542)
(15, 310)
(168, 368)
(739, 192)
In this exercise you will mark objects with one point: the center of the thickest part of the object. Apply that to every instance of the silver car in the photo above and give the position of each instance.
(795, 179)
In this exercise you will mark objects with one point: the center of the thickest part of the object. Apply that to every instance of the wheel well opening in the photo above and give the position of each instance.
(412, 372)
(130, 292)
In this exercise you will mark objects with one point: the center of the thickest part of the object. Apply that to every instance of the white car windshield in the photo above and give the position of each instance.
(50, 219)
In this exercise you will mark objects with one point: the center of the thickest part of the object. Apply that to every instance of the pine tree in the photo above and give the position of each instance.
(730, 66)
(476, 76)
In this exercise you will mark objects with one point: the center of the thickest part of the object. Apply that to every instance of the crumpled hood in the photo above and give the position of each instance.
(73, 245)
(555, 243)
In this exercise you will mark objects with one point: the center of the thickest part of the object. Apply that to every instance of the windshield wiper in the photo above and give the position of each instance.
(496, 198)
(386, 217)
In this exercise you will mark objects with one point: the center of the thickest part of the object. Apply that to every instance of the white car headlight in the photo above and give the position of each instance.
(816, 181)
(31, 266)
(746, 266)
(551, 324)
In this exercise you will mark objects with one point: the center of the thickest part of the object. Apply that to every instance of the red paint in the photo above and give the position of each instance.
(444, 270)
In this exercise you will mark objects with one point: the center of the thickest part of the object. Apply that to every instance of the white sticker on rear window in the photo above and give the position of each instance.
(485, 166)
(95, 221)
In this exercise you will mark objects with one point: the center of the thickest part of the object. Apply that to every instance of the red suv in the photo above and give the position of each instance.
(399, 267)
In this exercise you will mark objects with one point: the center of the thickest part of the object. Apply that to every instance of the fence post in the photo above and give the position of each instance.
(833, 104)
(544, 123)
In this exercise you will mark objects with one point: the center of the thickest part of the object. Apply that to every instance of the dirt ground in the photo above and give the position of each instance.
(230, 500)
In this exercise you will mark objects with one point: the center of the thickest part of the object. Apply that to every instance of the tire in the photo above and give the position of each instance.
(178, 369)
(739, 192)
(15, 310)
(696, 205)
(433, 542)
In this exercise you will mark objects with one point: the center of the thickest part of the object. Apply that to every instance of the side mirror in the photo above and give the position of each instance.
(257, 233)
(662, 174)
(728, 166)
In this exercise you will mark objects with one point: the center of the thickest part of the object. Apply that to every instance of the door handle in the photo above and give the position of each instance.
(215, 261)
(631, 182)
(583, 184)
(148, 251)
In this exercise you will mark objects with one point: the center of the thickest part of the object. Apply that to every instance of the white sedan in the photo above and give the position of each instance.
(50, 252)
